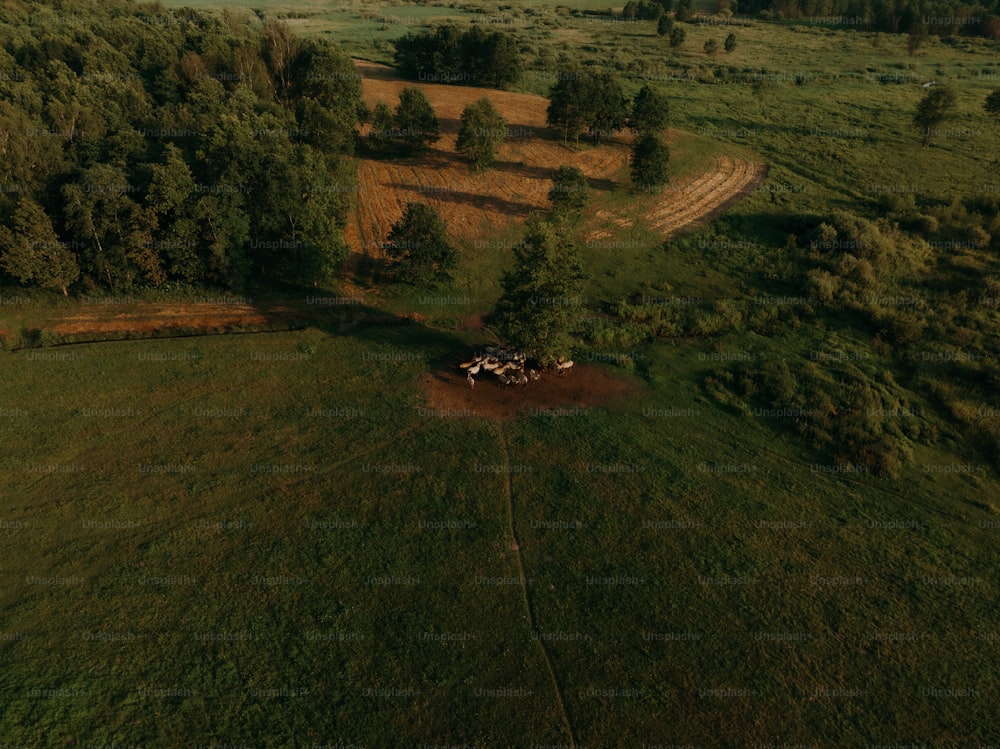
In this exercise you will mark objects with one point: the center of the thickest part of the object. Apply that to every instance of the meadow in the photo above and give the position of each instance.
(276, 540)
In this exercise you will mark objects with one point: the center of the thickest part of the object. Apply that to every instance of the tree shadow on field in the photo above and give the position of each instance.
(472, 200)
(547, 173)
(399, 338)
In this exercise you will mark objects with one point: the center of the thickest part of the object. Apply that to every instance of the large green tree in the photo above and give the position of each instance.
(418, 244)
(31, 251)
(568, 195)
(650, 111)
(483, 130)
(415, 119)
(567, 108)
(936, 106)
(582, 99)
(541, 302)
(607, 108)
(380, 135)
(649, 163)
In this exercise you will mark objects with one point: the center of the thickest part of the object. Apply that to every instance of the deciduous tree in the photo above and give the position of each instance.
(31, 250)
(418, 243)
(650, 162)
(483, 130)
(541, 295)
(936, 106)
(415, 119)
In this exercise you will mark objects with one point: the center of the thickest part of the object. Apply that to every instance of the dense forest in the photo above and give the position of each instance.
(142, 146)
(942, 19)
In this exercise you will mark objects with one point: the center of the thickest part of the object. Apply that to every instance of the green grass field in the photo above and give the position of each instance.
(273, 540)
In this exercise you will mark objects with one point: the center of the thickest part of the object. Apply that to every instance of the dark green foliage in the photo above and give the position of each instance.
(569, 191)
(161, 146)
(835, 408)
(711, 46)
(992, 103)
(665, 25)
(418, 243)
(416, 124)
(649, 162)
(730, 43)
(643, 10)
(650, 111)
(582, 99)
(677, 36)
(933, 109)
(447, 55)
(541, 294)
(683, 12)
(32, 253)
(380, 136)
(483, 130)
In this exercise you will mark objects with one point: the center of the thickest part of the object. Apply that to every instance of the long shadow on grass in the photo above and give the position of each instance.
(473, 200)
(397, 338)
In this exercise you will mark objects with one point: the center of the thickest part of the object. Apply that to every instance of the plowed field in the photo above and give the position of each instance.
(480, 205)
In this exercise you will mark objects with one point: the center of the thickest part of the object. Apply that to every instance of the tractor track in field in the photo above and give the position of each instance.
(522, 574)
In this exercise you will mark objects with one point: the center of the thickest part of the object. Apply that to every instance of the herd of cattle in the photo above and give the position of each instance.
(508, 366)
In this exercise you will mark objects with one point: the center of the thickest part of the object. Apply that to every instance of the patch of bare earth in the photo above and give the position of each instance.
(151, 317)
(474, 205)
(585, 386)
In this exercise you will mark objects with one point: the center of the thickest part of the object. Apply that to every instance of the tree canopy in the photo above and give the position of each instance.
(650, 162)
(143, 145)
(472, 57)
(936, 106)
(585, 100)
(418, 243)
(650, 111)
(541, 294)
(483, 130)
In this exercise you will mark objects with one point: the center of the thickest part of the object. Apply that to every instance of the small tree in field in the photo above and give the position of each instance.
(650, 111)
(665, 25)
(650, 162)
(569, 191)
(483, 130)
(381, 134)
(932, 110)
(730, 43)
(415, 119)
(992, 103)
(711, 47)
(541, 295)
(677, 36)
(418, 243)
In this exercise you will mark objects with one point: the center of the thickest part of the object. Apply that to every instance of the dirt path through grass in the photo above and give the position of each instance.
(523, 576)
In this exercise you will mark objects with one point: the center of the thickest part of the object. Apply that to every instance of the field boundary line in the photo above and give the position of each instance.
(524, 591)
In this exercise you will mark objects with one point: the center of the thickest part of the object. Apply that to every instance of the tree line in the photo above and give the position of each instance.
(141, 146)
(890, 16)
(447, 54)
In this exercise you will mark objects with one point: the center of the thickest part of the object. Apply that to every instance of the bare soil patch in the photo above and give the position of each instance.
(586, 386)
(151, 317)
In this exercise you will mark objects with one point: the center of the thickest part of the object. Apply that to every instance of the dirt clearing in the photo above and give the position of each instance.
(586, 386)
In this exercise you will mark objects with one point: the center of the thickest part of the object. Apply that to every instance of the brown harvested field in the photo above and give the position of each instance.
(585, 386)
(150, 317)
(480, 205)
